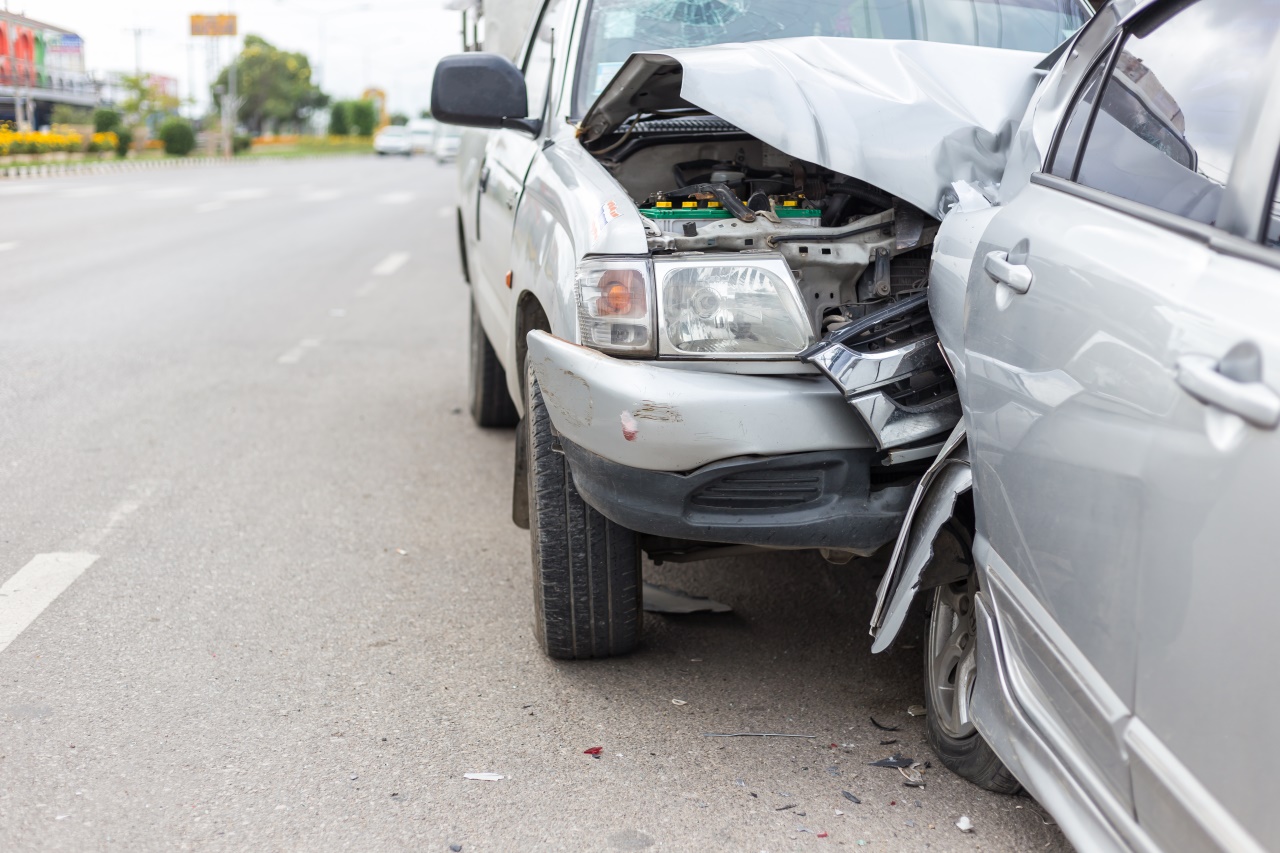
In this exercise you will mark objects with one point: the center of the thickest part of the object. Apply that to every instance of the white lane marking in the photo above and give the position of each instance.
(26, 189)
(391, 264)
(445, 212)
(4, 247)
(367, 288)
(91, 192)
(166, 192)
(25, 595)
(248, 194)
(401, 197)
(295, 355)
(322, 195)
(337, 312)
(114, 522)
(211, 206)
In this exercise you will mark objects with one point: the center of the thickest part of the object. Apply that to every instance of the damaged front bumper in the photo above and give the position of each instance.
(775, 461)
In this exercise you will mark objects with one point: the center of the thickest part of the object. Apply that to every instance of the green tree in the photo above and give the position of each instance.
(178, 136)
(273, 86)
(105, 120)
(67, 114)
(340, 120)
(399, 119)
(364, 116)
(144, 100)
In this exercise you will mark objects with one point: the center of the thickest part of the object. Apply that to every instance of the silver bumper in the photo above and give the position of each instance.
(651, 416)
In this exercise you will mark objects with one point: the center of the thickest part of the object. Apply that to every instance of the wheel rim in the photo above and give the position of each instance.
(952, 664)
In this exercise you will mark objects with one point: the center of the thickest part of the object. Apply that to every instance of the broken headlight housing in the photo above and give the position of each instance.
(730, 308)
(615, 306)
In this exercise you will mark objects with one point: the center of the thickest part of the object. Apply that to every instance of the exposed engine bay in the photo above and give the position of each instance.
(859, 257)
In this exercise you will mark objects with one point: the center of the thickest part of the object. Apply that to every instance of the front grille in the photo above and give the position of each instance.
(761, 490)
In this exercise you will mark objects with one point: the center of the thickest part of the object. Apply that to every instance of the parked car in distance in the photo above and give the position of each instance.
(1097, 542)
(644, 269)
(445, 142)
(393, 139)
(422, 133)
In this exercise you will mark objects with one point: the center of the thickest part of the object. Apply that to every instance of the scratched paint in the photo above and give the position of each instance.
(651, 411)
(630, 429)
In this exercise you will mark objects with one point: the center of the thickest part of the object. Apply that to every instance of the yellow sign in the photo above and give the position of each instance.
(213, 25)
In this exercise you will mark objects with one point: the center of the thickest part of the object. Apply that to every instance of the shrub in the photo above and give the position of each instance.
(124, 139)
(103, 141)
(241, 143)
(178, 137)
(105, 121)
(67, 114)
(364, 115)
(339, 120)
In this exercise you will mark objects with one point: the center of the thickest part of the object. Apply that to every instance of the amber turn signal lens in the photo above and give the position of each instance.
(621, 294)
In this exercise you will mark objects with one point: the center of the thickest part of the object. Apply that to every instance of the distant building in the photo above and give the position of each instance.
(40, 65)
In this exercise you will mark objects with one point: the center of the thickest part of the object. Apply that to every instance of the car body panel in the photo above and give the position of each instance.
(649, 416)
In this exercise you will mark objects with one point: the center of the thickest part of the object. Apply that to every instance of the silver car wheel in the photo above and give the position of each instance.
(952, 661)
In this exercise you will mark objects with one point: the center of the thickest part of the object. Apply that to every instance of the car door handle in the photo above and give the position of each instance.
(1017, 277)
(1253, 401)
(484, 179)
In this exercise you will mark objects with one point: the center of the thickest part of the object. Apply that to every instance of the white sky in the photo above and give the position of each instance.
(390, 44)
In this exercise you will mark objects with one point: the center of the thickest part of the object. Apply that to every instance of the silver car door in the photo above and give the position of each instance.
(508, 156)
(1207, 596)
(1070, 333)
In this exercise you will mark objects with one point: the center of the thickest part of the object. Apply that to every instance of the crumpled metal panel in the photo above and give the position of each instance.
(910, 117)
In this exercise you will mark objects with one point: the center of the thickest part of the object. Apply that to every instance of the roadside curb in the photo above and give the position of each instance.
(108, 167)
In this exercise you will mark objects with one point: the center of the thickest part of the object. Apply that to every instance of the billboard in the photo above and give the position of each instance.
(213, 25)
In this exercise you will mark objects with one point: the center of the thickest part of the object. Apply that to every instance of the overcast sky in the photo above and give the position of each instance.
(391, 44)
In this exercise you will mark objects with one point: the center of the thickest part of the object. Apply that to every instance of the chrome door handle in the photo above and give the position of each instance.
(484, 179)
(1253, 401)
(1017, 277)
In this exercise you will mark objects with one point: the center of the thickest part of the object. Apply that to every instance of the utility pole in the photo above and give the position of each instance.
(138, 33)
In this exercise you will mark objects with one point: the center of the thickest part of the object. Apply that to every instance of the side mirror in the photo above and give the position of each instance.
(481, 90)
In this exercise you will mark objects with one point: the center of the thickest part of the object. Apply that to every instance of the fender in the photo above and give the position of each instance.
(934, 503)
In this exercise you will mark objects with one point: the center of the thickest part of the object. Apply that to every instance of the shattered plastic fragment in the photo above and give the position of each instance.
(964, 824)
(882, 727)
(661, 599)
(484, 777)
(822, 835)
(917, 711)
(678, 702)
(595, 750)
(851, 798)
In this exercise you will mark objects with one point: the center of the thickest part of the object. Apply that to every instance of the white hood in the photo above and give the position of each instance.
(909, 117)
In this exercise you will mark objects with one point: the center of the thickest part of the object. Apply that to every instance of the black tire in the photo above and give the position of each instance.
(586, 569)
(950, 637)
(491, 404)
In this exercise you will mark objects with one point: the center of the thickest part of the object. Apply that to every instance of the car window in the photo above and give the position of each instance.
(1272, 234)
(617, 28)
(1173, 106)
(1064, 159)
(537, 66)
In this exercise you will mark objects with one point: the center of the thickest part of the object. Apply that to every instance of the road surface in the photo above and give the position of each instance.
(271, 598)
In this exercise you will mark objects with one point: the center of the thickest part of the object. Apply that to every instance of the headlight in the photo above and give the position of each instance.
(736, 308)
(615, 306)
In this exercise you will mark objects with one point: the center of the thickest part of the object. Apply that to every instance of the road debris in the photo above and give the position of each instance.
(784, 808)
(882, 727)
(455, 848)
(402, 552)
(661, 599)
(913, 775)
(594, 751)
(890, 742)
(964, 824)
(678, 702)
(851, 798)
(833, 770)
(917, 711)
(752, 734)
(484, 777)
(894, 760)
(822, 835)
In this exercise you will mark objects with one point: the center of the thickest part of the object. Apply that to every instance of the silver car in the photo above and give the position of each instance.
(1096, 538)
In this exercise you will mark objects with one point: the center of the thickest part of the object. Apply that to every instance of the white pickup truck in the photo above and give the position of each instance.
(652, 239)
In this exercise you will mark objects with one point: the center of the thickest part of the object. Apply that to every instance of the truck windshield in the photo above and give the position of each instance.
(617, 28)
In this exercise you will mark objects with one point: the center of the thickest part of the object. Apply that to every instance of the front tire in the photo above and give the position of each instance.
(950, 673)
(586, 568)
(491, 404)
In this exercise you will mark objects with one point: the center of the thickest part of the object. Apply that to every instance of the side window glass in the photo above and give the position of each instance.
(1272, 234)
(1172, 109)
(537, 67)
(1064, 159)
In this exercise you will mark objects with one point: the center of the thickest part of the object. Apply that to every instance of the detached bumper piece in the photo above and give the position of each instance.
(891, 371)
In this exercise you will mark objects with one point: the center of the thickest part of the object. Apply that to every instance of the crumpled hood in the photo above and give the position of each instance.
(909, 117)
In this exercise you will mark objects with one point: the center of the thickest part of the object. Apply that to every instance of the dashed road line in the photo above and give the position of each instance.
(391, 264)
(4, 247)
(367, 288)
(247, 194)
(337, 312)
(401, 197)
(36, 585)
(114, 522)
(211, 206)
(295, 355)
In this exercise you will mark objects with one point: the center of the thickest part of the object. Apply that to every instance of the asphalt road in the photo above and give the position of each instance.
(297, 612)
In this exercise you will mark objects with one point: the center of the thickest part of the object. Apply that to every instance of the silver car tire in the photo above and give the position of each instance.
(950, 673)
